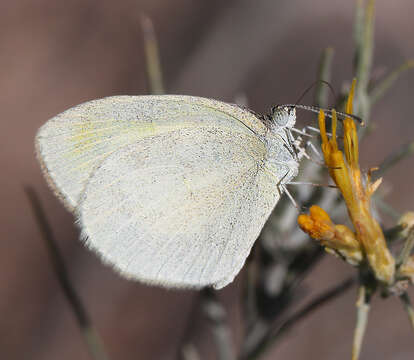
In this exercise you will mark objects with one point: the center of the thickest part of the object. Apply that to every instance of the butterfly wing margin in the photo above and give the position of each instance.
(72, 144)
(181, 209)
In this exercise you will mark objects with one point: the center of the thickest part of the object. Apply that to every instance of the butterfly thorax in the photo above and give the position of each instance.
(280, 158)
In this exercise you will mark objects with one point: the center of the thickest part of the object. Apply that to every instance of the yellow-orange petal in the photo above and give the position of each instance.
(319, 214)
(351, 143)
(322, 127)
(350, 133)
(349, 103)
(337, 239)
(315, 229)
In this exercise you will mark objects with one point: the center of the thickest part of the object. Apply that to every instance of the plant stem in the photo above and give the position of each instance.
(394, 158)
(407, 249)
(216, 314)
(408, 307)
(364, 38)
(154, 71)
(363, 308)
(386, 208)
(324, 73)
(380, 89)
(90, 335)
(279, 330)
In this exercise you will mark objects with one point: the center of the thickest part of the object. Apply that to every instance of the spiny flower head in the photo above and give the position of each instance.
(346, 173)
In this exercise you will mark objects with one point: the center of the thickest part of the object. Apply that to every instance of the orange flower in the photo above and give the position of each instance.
(346, 174)
(337, 239)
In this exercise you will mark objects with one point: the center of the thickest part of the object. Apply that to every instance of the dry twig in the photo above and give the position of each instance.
(88, 331)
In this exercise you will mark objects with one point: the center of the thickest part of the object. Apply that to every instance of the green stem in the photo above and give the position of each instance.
(394, 158)
(364, 39)
(363, 308)
(408, 307)
(407, 249)
(154, 72)
(380, 89)
(324, 73)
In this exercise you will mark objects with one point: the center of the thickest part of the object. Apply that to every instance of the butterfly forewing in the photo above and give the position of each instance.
(72, 144)
(181, 209)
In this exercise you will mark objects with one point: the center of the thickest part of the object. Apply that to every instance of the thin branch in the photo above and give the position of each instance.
(190, 352)
(363, 307)
(407, 249)
(394, 158)
(279, 330)
(408, 307)
(313, 305)
(217, 316)
(358, 25)
(386, 208)
(185, 342)
(249, 300)
(90, 335)
(364, 38)
(365, 46)
(380, 89)
(324, 73)
(394, 233)
(154, 71)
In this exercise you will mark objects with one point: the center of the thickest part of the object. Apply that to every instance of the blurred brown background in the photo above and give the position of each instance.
(55, 54)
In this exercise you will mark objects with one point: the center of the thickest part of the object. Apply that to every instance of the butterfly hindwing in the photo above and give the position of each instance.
(181, 209)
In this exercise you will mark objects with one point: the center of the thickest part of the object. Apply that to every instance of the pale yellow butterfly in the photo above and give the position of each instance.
(169, 190)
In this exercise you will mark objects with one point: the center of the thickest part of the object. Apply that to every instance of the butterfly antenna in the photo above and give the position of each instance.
(314, 84)
(328, 112)
(316, 109)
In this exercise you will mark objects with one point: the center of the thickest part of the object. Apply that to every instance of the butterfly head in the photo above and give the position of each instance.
(283, 116)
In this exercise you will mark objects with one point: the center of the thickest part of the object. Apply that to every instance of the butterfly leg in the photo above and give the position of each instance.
(282, 188)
